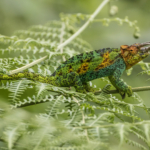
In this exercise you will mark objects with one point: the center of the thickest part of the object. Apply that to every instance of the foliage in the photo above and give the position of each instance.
(71, 120)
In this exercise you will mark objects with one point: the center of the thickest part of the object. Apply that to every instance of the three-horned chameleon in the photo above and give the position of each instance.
(80, 69)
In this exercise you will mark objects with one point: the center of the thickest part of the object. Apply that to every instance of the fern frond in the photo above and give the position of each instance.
(17, 88)
(54, 106)
(5, 85)
(117, 110)
(75, 118)
(133, 143)
(40, 89)
(139, 135)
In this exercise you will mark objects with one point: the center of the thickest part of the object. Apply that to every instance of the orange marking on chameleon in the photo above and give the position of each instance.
(106, 62)
(70, 70)
(83, 68)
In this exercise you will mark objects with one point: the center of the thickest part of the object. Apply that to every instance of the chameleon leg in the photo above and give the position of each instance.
(74, 79)
(88, 88)
(119, 84)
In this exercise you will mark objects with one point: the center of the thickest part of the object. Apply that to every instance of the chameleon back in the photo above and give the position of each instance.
(91, 65)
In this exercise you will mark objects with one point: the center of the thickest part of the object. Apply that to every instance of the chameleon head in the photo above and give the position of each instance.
(134, 53)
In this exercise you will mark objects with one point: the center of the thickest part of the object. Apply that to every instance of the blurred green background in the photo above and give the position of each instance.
(21, 14)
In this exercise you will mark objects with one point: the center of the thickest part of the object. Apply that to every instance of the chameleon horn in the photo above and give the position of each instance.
(144, 44)
(145, 48)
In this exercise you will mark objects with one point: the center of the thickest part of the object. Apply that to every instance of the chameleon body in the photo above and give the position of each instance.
(80, 69)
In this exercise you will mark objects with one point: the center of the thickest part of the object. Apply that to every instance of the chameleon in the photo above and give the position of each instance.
(78, 70)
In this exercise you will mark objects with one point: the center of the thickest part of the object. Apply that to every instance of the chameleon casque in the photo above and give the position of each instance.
(80, 69)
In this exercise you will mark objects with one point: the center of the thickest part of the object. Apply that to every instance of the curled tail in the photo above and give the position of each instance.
(30, 76)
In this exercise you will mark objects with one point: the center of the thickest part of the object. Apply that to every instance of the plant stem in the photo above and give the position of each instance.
(137, 89)
(112, 125)
(27, 66)
(85, 25)
(67, 41)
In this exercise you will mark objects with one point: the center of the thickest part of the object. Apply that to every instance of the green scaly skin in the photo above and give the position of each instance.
(80, 69)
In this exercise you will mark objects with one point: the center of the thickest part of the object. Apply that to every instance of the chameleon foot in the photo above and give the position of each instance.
(123, 94)
(81, 91)
(128, 91)
(88, 88)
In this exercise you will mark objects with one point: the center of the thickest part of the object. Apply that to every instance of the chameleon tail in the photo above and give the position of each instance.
(30, 76)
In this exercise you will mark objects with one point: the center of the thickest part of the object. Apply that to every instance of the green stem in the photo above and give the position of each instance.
(137, 89)
(112, 125)
(27, 66)
(85, 25)
(67, 41)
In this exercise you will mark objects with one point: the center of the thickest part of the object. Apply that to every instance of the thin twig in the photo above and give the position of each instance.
(27, 66)
(68, 40)
(137, 89)
(112, 125)
(96, 12)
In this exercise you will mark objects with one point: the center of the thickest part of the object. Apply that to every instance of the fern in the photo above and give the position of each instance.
(17, 88)
(70, 120)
